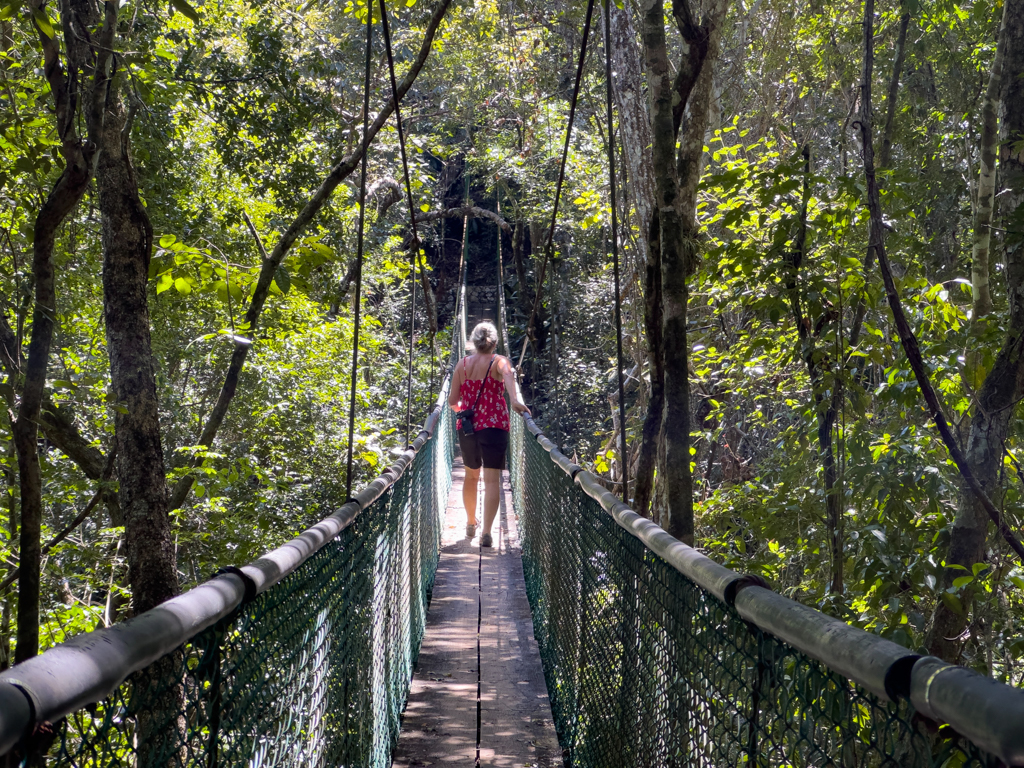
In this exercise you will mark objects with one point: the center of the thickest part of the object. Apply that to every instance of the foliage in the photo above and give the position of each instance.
(240, 109)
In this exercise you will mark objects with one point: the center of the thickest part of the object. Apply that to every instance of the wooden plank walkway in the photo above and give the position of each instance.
(478, 696)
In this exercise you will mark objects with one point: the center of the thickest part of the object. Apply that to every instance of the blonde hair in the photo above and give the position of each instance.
(484, 337)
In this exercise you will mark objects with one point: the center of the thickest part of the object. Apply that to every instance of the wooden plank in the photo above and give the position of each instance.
(516, 724)
(439, 723)
(439, 726)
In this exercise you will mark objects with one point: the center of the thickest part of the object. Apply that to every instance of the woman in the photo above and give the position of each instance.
(487, 445)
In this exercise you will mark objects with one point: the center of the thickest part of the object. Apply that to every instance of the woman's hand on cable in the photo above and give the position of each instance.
(521, 409)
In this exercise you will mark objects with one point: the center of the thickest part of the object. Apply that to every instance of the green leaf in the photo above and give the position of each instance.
(182, 286)
(164, 283)
(953, 603)
(282, 279)
(7, 11)
(962, 581)
(43, 22)
(186, 9)
(166, 241)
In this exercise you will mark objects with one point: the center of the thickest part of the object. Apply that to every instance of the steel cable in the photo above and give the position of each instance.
(412, 215)
(623, 454)
(359, 252)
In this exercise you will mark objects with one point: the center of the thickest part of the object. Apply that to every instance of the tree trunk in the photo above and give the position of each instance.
(825, 396)
(635, 130)
(982, 237)
(55, 421)
(12, 534)
(676, 180)
(676, 246)
(634, 123)
(643, 493)
(535, 329)
(690, 159)
(885, 153)
(88, 49)
(1004, 385)
(519, 261)
(127, 247)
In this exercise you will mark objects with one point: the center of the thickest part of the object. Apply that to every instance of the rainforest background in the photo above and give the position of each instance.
(179, 199)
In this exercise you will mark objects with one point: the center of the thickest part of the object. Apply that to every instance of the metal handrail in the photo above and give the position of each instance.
(988, 713)
(89, 667)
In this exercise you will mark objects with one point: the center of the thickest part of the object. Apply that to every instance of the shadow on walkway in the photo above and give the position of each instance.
(478, 696)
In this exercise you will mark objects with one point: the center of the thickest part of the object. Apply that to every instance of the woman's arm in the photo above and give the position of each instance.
(512, 386)
(453, 394)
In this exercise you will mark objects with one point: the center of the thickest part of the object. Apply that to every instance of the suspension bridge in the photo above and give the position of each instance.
(587, 637)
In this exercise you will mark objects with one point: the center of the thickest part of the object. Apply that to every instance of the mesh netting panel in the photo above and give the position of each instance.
(313, 672)
(644, 668)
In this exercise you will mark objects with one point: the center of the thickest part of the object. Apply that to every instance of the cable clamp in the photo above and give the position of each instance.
(250, 585)
(744, 581)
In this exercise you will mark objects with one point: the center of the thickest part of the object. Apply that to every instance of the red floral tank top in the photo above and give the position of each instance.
(491, 411)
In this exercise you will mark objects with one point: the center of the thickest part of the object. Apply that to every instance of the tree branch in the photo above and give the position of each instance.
(390, 192)
(338, 173)
(861, 309)
(906, 334)
(695, 50)
(471, 211)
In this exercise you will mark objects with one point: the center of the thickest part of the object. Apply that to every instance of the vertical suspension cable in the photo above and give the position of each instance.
(462, 286)
(461, 316)
(572, 116)
(359, 253)
(502, 320)
(414, 258)
(623, 455)
(555, 423)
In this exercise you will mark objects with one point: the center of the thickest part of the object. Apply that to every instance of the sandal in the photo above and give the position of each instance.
(485, 540)
(470, 531)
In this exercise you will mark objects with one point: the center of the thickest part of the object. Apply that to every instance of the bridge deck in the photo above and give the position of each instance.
(478, 697)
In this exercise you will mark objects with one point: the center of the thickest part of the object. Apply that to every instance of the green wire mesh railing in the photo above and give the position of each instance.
(653, 655)
(312, 672)
(646, 668)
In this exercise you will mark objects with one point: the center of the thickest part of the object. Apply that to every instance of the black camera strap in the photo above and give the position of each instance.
(483, 384)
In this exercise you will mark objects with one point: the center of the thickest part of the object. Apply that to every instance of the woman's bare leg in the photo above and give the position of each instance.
(469, 494)
(492, 490)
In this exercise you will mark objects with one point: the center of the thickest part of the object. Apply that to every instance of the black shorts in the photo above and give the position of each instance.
(486, 446)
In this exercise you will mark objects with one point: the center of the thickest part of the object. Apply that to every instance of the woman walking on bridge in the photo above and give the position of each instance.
(483, 422)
